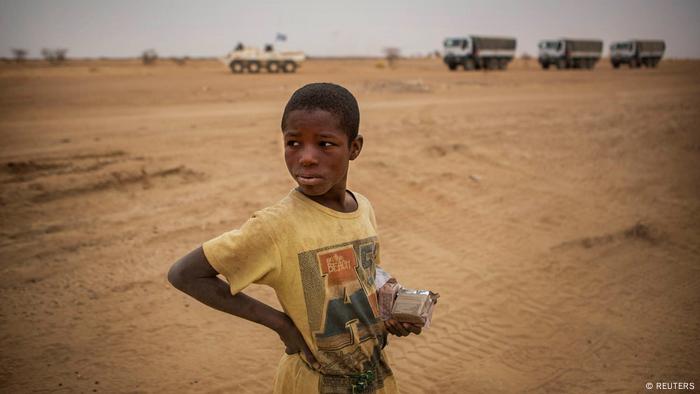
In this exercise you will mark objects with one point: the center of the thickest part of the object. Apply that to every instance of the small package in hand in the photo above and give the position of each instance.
(414, 306)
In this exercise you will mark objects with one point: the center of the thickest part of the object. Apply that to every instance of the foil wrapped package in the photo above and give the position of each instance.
(403, 304)
(414, 306)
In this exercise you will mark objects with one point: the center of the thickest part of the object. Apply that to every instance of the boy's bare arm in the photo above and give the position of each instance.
(193, 275)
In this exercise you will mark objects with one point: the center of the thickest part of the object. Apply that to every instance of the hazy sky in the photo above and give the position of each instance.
(90, 28)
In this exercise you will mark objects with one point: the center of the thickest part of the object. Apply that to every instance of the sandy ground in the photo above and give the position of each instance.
(557, 213)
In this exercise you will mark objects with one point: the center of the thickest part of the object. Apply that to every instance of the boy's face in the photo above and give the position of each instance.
(317, 152)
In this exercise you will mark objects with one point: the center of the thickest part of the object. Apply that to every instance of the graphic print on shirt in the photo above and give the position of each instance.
(341, 303)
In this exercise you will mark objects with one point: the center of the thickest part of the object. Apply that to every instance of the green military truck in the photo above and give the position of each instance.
(637, 53)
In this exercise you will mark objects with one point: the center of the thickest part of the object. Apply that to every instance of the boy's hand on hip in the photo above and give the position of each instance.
(294, 342)
(401, 329)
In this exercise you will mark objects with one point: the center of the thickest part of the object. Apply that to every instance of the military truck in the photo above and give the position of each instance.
(569, 53)
(253, 60)
(637, 53)
(479, 52)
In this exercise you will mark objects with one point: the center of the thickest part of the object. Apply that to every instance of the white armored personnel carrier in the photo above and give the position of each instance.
(253, 60)
(637, 53)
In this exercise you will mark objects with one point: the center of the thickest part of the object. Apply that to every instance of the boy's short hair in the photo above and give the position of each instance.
(327, 97)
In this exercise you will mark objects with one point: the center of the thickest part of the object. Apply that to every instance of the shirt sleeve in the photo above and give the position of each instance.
(246, 255)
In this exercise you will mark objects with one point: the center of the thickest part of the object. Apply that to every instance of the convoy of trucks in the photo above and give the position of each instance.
(570, 53)
(637, 53)
(479, 52)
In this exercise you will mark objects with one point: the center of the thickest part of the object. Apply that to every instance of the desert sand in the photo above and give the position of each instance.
(556, 212)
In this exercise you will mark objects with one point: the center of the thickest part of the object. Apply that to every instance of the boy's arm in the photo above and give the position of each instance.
(193, 275)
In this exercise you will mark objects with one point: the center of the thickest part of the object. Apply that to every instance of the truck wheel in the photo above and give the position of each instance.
(452, 66)
(254, 67)
(469, 64)
(561, 64)
(616, 64)
(655, 63)
(273, 67)
(491, 64)
(236, 66)
(502, 64)
(289, 66)
(545, 66)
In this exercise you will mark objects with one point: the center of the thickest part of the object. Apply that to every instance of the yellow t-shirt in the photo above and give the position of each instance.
(321, 264)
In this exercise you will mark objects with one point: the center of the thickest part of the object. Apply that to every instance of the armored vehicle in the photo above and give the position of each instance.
(637, 53)
(253, 60)
(570, 53)
(478, 52)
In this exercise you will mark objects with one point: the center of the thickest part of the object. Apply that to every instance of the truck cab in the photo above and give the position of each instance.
(550, 51)
(622, 49)
(457, 49)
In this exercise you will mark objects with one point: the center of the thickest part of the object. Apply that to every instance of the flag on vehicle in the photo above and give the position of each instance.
(281, 37)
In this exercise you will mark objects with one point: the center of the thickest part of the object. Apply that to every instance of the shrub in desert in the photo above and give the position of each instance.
(47, 54)
(180, 61)
(392, 55)
(19, 54)
(149, 56)
(54, 56)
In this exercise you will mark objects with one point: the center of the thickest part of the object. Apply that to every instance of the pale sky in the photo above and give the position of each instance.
(125, 28)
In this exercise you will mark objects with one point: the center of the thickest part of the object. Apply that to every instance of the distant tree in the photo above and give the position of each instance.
(392, 55)
(54, 56)
(47, 54)
(60, 54)
(149, 56)
(20, 55)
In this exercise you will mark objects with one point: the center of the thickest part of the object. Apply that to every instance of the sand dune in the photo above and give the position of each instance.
(557, 213)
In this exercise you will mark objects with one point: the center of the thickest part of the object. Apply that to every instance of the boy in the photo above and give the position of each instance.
(318, 249)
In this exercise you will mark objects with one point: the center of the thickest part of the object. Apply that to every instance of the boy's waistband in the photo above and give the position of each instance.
(365, 382)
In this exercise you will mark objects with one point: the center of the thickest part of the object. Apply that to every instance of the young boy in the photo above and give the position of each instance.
(318, 249)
